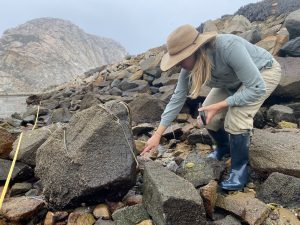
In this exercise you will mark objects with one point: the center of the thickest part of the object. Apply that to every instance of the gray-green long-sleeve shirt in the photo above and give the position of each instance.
(236, 62)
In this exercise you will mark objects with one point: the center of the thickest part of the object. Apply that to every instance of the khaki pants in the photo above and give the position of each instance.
(239, 119)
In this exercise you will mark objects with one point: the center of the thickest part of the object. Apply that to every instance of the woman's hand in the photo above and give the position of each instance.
(152, 143)
(212, 110)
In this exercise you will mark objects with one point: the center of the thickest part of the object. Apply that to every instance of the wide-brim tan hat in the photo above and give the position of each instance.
(182, 43)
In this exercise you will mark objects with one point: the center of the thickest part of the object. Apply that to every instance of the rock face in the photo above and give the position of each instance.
(93, 159)
(275, 152)
(169, 199)
(48, 51)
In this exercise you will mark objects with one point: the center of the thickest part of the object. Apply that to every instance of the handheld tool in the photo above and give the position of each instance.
(202, 115)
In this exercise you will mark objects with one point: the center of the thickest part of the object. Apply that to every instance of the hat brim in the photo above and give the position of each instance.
(168, 61)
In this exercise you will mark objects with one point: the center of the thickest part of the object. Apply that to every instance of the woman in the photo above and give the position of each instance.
(241, 76)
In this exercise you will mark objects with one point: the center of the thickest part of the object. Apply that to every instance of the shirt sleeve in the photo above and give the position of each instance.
(240, 61)
(177, 100)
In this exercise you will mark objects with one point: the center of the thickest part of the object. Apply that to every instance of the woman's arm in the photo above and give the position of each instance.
(177, 100)
(171, 111)
(238, 58)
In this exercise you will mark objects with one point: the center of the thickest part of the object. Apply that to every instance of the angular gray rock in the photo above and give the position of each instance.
(150, 65)
(141, 86)
(238, 24)
(130, 215)
(104, 222)
(146, 109)
(20, 188)
(33, 110)
(253, 35)
(126, 85)
(292, 23)
(277, 113)
(281, 189)
(142, 128)
(199, 136)
(88, 159)
(174, 131)
(88, 101)
(169, 199)
(50, 103)
(166, 80)
(31, 141)
(275, 151)
(115, 91)
(202, 171)
(209, 26)
(21, 171)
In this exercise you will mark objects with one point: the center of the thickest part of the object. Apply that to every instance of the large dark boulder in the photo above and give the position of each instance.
(88, 159)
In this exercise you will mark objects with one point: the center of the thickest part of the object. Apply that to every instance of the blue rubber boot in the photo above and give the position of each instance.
(221, 139)
(239, 148)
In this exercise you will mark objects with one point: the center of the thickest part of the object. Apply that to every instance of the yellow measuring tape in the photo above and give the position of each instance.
(14, 162)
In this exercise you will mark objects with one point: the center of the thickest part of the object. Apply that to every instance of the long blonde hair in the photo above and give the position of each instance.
(201, 71)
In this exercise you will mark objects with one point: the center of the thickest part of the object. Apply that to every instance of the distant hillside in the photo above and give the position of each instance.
(261, 10)
(48, 51)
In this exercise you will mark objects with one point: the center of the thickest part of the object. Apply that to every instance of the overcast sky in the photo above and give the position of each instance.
(137, 24)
